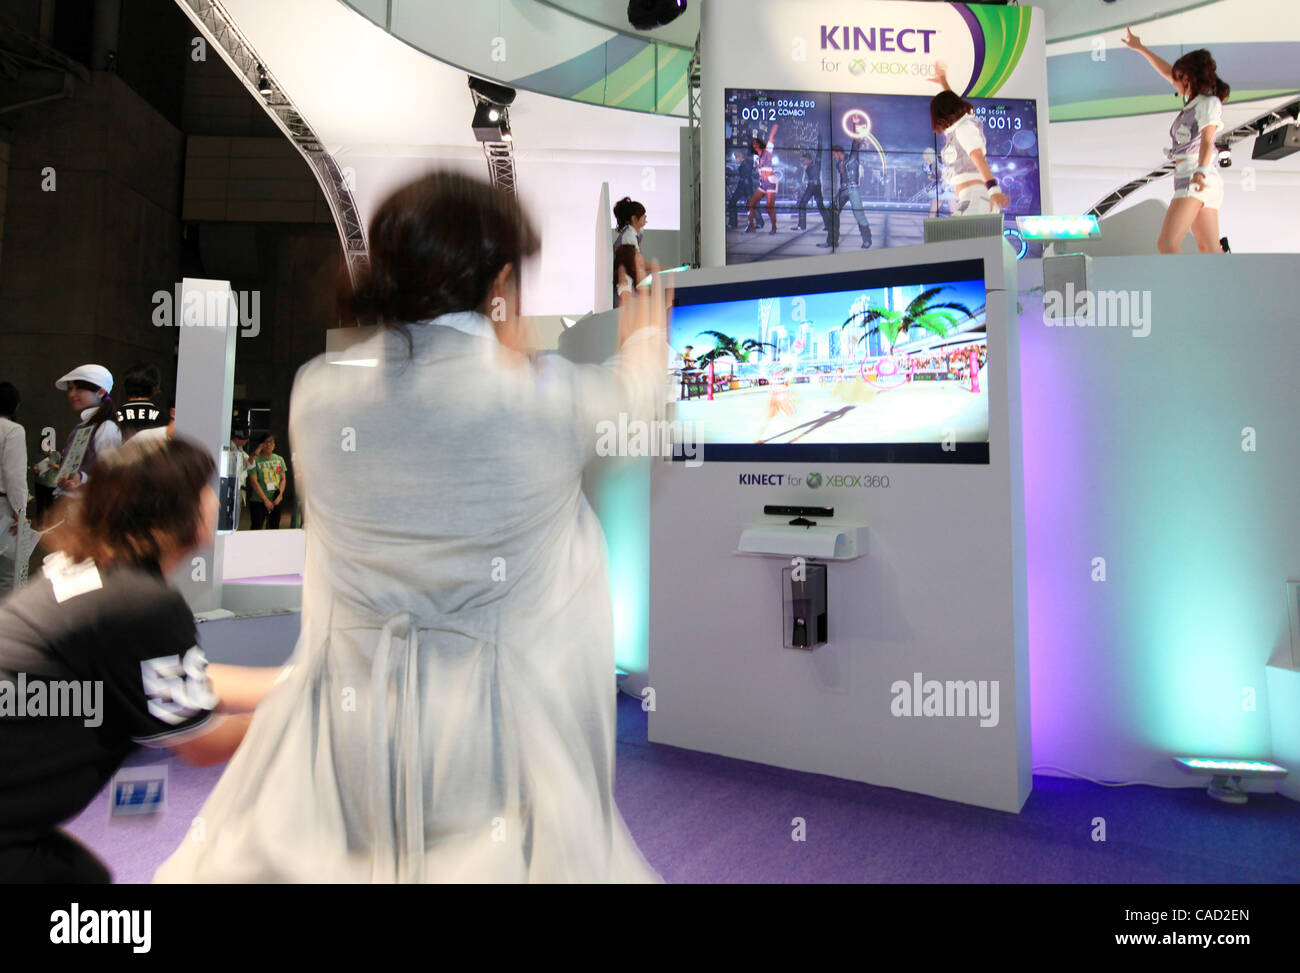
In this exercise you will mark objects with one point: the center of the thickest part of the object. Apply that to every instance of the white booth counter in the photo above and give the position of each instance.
(262, 570)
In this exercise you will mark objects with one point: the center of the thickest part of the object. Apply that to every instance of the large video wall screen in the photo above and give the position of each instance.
(899, 167)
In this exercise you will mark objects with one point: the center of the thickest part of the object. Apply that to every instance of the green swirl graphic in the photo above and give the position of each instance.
(1006, 31)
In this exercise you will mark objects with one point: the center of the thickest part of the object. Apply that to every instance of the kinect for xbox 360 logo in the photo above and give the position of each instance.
(208, 308)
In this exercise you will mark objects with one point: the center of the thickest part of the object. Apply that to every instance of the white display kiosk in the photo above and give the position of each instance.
(928, 615)
(205, 383)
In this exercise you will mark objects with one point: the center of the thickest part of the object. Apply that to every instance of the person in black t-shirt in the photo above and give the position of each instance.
(142, 385)
(99, 655)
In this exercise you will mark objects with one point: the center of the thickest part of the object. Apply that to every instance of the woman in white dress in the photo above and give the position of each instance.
(449, 716)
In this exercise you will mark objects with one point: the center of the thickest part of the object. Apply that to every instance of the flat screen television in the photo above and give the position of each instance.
(885, 365)
(899, 169)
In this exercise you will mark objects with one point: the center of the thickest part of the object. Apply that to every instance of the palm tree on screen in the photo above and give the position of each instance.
(937, 318)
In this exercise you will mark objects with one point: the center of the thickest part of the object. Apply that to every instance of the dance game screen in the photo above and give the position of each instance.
(802, 197)
(861, 366)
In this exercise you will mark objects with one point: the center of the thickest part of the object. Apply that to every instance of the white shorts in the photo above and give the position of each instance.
(1211, 196)
(973, 201)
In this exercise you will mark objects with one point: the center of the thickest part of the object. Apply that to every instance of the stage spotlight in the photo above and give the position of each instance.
(649, 14)
(491, 124)
(1225, 158)
(263, 82)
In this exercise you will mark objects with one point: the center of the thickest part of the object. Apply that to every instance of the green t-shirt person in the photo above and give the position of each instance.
(267, 472)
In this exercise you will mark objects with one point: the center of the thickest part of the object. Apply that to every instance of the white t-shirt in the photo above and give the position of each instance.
(964, 136)
(1189, 123)
(628, 238)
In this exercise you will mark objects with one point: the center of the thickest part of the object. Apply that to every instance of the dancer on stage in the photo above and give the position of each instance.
(767, 182)
(968, 171)
(1198, 187)
(450, 712)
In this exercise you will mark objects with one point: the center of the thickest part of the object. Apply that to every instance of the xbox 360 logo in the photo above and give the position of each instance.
(814, 480)
(858, 66)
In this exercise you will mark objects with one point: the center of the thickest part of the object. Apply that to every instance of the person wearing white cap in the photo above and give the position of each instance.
(96, 434)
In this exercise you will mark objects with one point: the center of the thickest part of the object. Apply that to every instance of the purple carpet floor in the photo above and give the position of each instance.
(703, 818)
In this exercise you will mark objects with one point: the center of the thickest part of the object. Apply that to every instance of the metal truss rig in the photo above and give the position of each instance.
(500, 155)
(693, 117)
(220, 31)
(1256, 126)
(501, 165)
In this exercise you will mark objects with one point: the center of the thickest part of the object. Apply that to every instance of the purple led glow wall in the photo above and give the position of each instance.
(1160, 454)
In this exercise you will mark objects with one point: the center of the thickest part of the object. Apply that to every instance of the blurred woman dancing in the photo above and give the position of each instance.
(450, 713)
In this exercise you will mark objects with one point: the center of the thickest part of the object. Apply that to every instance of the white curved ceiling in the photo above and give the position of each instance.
(1065, 18)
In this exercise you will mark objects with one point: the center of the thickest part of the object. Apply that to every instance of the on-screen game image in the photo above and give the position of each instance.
(894, 364)
(818, 172)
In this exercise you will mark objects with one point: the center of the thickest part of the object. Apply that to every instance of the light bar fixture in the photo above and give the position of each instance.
(1225, 782)
(1043, 228)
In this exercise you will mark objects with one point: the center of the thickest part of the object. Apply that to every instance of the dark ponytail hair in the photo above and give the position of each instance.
(436, 246)
(106, 412)
(626, 210)
(1199, 68)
